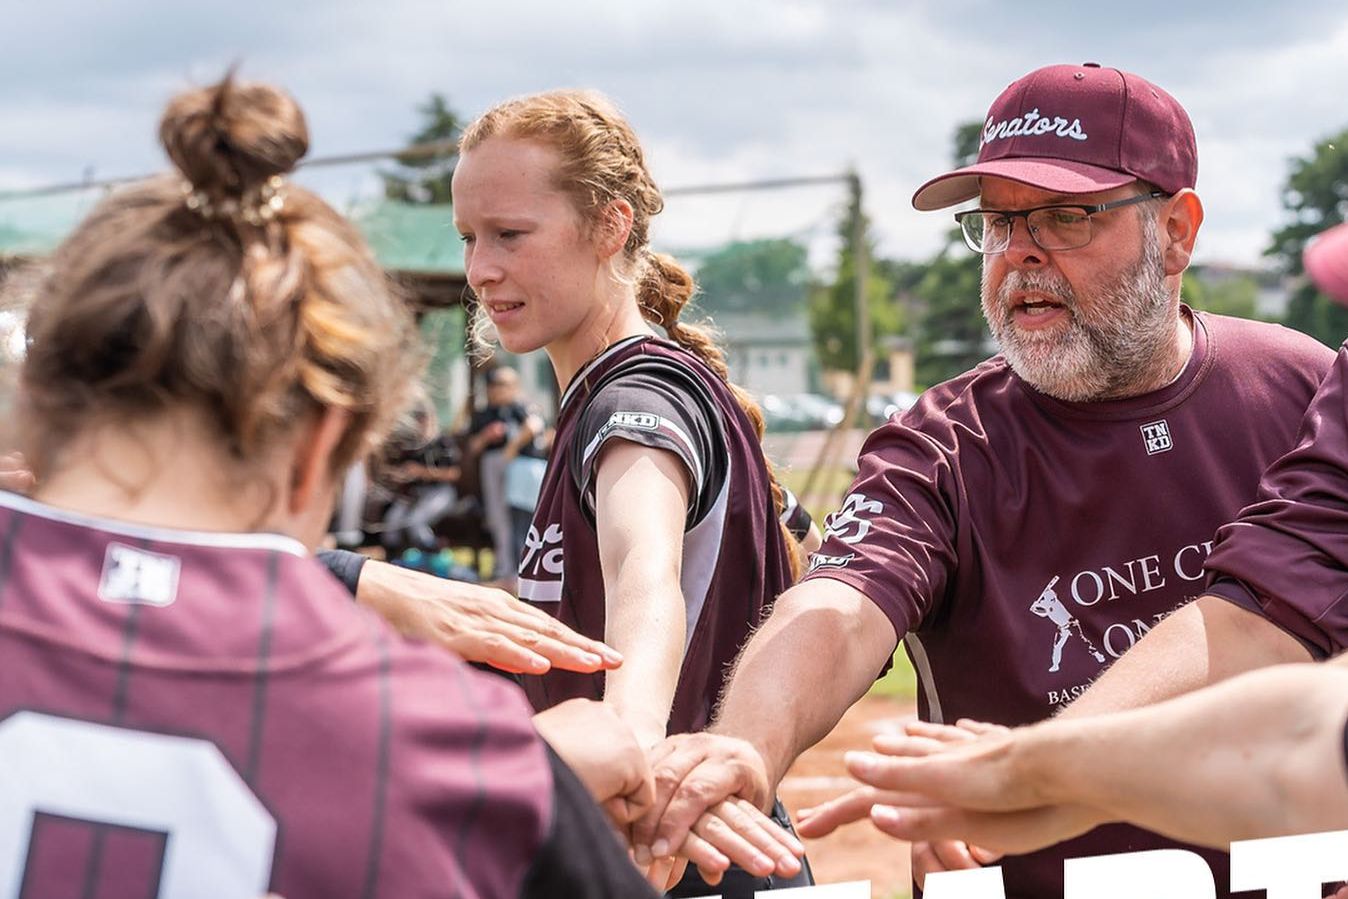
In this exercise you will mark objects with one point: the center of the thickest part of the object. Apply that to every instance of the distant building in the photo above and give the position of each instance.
(768, 355)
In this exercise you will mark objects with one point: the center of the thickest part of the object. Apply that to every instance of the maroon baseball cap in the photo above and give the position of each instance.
(1326, 261)
(1076, 130)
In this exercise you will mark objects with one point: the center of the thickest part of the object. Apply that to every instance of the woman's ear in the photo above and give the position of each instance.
(311, 462)
(614, 228)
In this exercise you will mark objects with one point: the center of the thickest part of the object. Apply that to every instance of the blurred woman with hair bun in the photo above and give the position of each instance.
(189, 703)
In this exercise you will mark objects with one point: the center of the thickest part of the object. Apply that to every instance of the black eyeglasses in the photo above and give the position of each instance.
(988, 231)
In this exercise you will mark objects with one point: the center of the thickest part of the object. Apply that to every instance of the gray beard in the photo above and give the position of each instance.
(1106, 355)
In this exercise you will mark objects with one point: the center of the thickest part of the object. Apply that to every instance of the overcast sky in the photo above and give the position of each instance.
(719, 90)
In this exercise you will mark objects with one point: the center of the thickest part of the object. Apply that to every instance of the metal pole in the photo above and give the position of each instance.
(856, 402)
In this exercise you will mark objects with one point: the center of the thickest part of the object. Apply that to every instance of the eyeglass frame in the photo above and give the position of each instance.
(1087, 210)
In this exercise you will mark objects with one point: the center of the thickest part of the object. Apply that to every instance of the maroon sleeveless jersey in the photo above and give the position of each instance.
(735, 558)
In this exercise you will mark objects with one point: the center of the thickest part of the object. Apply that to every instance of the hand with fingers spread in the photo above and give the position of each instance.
(938, 785)
(918, 739)
(480, 624)
(15, 475)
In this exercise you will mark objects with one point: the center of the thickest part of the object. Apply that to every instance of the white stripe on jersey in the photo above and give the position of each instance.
(701, 553)
(540, 591)
(662, 423)
(923, 667)
(275, 542)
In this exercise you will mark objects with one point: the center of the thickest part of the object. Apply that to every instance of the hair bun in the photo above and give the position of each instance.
(231, 137)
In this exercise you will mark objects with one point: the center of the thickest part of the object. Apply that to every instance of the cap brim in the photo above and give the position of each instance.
(1054, 175)
(1326, 261)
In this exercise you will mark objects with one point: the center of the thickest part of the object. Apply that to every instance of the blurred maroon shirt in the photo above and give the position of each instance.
(210, 714)
(1286, 556)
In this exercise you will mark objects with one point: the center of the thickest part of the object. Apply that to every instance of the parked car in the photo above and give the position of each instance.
(800, 412)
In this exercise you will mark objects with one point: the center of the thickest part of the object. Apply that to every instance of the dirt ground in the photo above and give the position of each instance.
(858, 851)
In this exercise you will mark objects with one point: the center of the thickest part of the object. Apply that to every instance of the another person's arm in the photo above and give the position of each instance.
(1280, 570)
(1257, 756)
(886, 555)
(1206, 641)
(790, 687)
(480, 624)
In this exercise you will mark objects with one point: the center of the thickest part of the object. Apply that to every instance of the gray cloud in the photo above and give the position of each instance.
(718, 91)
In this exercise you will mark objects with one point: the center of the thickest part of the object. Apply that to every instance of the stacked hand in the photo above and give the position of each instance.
(710, 793)
(938, 786)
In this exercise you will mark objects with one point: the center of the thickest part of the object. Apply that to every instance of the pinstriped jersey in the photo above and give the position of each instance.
(735, 561)
(210, 715)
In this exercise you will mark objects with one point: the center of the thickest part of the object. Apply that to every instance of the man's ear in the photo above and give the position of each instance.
(1181, 218)
(311, 462)
(615, 225)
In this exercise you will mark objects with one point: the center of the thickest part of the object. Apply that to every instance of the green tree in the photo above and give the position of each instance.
(951, 334)
(966, 142)
(424, 177)
(1226, 296)
(1316, 196)
(767, 277)
(833, 312)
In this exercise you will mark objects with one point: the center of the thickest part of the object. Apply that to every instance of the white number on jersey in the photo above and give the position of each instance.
(221, 838)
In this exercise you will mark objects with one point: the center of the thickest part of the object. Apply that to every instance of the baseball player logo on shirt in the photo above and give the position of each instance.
(847, 524)
(1049, 606)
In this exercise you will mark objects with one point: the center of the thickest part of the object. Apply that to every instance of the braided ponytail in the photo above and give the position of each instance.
(664, 290)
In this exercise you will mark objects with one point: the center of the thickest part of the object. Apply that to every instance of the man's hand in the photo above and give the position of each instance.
(15, 475)
(601, 749)
(710, 795)
(480, 624)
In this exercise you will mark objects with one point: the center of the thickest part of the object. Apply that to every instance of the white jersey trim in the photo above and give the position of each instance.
(579, 377)
(531, 590)
(701, 555)
(274, 542)
(923, 667)
(605, 432)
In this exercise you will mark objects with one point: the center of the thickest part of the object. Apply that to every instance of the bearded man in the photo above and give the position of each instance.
(1097, 454)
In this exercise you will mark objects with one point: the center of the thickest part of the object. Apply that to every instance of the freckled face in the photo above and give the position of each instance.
(527, 255)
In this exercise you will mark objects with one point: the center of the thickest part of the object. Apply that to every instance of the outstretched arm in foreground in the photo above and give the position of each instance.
(1259, 755)
(1203, 643)
(480, 624)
